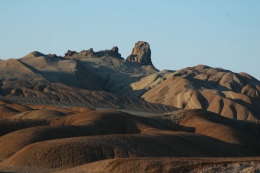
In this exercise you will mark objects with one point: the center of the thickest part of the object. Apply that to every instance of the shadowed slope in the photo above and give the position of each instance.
(69, 72)
(251, 128)
(241, 133)
(7, 125)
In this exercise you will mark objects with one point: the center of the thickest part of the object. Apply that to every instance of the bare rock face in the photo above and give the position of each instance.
(141, 53)
(112, 53)
(81, 55)
(84, 54)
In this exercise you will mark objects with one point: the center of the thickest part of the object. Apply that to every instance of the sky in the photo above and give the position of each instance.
(181, 33)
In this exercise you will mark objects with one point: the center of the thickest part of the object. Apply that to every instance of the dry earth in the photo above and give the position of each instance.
(96, 112)
(44, 139)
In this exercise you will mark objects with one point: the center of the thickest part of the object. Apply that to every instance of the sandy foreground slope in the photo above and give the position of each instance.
(45, 139)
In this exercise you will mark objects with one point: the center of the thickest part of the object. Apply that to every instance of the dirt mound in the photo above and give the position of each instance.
(67, 141)
(77, 151)
(21, 138)
(81, 124)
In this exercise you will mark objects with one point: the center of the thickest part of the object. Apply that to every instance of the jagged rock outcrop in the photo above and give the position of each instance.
(84, 54)
(81, 55)
(112, 53)
(141, 53)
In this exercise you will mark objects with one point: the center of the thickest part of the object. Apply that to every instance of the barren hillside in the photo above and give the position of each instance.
(93, 111)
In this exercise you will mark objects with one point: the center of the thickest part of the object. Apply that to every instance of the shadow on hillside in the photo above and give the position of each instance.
(78, 80)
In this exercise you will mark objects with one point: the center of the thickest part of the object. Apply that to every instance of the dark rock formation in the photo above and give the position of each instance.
(54, 56)
(70, 53)
(81, 55)
(91, 54)
(87, 54)
(113, 53)
(141, 53)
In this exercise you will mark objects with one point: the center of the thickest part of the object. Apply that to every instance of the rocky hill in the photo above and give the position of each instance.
(45, 79)
(79, 79)
(233, 95)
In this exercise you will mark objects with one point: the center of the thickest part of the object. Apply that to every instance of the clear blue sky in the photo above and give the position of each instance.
(218, 33)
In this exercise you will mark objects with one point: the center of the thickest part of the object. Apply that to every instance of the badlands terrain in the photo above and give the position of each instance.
(93, 111)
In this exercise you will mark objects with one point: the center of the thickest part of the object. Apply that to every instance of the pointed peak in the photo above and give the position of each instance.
(34, 54)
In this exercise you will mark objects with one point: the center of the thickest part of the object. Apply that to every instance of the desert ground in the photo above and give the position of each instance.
(98, 112)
